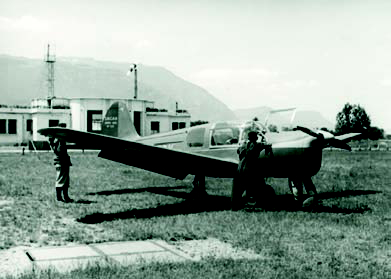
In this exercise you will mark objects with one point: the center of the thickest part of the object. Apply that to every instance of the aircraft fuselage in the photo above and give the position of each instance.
(294, 153)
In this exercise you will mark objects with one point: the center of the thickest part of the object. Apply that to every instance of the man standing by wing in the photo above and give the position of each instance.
(62, 162)
(249, 174)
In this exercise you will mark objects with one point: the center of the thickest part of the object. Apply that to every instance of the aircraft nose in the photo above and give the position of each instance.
(318, 142)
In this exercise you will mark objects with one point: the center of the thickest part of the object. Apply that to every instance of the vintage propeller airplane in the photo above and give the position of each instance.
(206, 150)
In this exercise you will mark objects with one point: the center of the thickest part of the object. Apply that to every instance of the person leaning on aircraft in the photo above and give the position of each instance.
(249, 174)
(62, 162)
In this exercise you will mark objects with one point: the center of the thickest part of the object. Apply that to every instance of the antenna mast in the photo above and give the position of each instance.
(50, 59)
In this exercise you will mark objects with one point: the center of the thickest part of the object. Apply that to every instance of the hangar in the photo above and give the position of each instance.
(19, 124)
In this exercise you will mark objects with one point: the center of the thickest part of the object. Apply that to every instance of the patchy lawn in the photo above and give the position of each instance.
(347, 235)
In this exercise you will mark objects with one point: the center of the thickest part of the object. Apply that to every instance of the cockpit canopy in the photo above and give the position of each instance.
(229, 133)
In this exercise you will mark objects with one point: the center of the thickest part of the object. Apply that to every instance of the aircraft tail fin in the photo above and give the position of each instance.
(118, 122)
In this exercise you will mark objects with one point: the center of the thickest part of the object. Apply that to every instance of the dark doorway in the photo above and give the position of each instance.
(137, 121)
(29, 125)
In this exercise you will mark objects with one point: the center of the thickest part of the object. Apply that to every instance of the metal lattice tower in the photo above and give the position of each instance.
(50, 59)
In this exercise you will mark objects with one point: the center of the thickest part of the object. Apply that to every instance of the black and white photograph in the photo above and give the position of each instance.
(195, 139)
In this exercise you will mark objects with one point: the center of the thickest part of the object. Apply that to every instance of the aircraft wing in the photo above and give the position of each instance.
(173, 163)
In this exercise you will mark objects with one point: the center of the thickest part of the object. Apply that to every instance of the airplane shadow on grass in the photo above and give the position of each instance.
(213, 203)
(155, 189)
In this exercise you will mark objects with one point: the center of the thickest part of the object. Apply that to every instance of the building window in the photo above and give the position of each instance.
(97, 122)
(155, 127)
(53, 122)
(175, 126)
(29, 125)
(3, 127)
(94, 121)
(12, 126)
(182, 125)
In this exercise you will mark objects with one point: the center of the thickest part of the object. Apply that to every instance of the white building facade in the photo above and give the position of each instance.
(20, 125)
(15, 125)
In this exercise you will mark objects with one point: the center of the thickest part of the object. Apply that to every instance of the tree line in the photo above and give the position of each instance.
(354, 119)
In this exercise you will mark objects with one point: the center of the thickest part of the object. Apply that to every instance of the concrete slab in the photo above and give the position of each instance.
(66, 265)
(163, 256)
(62, 253)
(133, 252)
(66, 258)
(130, 252)
(173, 250)
(129, 247)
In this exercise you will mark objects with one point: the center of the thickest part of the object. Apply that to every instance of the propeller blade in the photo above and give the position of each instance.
(333, 142)
(308, 132)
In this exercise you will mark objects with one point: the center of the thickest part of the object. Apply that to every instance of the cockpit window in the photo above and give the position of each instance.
(195, 138)
(225, 136)
(252, 126)
(230, 133)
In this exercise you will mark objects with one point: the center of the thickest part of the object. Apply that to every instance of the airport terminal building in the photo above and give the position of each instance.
(19, 125)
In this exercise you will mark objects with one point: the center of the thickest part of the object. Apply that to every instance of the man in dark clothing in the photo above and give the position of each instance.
(249, 174)
(62, 162)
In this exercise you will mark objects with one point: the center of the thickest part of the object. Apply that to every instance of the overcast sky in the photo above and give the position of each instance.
(280, 53)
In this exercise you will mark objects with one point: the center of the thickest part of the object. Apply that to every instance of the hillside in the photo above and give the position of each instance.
(22, 79)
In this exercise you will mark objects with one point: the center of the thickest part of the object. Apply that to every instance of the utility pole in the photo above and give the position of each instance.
(50, 59)
(134, 68)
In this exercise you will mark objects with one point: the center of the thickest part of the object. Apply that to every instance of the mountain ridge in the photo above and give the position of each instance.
(23, 79)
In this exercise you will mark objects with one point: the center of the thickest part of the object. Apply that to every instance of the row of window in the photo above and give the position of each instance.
(224, 136)
(94, 122)
(178, 125)
(9, 126)
(221, 136)
(155, 126)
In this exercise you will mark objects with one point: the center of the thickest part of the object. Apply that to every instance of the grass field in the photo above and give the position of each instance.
(348, 235)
